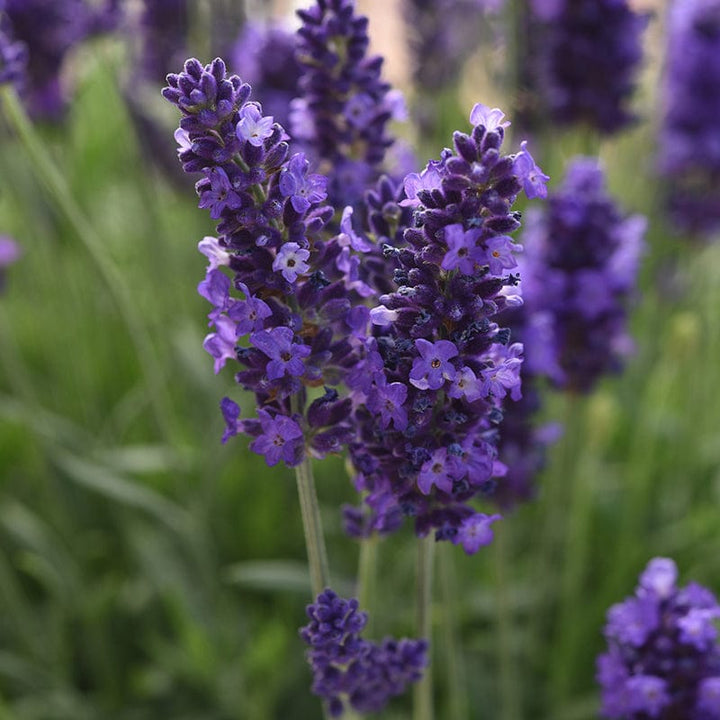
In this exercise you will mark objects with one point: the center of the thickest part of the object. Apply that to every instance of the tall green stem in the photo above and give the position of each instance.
(312, 526)
(456, 677)
(510, 688)
(367, 578)
(422, 696)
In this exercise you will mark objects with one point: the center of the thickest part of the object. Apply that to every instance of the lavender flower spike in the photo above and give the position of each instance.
(344, 106)
(589, 54)
(436, 335)
(663, 658)
(281, 301)
(689, 142)
(349, 671)
(581, 264)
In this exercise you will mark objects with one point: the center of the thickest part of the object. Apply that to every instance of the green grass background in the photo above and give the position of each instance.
(148, 572)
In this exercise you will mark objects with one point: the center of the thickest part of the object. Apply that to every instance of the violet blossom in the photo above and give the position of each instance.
(581, 264)
(435, 334)
(689, 142)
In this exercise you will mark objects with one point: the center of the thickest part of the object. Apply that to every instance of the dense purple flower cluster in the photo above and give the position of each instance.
(437, 368)
(351, 671)
(690, 137)
(588, 60)
(50, 29)
(264, 56)
(341, 116)
(582, 258)
(289, 301)
(663, 659)
(164, 28)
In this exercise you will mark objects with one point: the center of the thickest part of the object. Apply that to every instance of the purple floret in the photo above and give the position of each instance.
(281, 439)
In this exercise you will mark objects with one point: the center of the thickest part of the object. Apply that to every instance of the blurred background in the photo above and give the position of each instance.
(146, 570)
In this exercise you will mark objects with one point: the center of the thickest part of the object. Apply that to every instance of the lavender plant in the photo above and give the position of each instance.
(587, 62)
(689, 143)
(394, 317)
(341, 116)
(582, 262)
(663, 658)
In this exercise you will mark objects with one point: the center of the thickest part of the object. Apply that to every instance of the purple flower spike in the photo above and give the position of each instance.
(281, 439)
(253, 127)
(285, 355)
(433, 367)
(663, 659)
(581, 258)
(349, 670)
(584, 60)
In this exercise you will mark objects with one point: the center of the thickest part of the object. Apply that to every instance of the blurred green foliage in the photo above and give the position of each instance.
(147, 571)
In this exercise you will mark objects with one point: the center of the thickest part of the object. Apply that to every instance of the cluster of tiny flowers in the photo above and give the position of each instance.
(264, 56)
(582, 257)
(430, 389)
(588, 60)
(49, 29)
(292, 297)
(663, 658)
(9, 253)
(690, 136)
(350, 671)
(344, 107)
(163, 31)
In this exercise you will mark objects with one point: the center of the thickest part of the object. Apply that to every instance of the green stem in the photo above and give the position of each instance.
(312, 526)
(457, 701)
(510, 686)
(422, 696)
(59, 191)
(367, 578)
